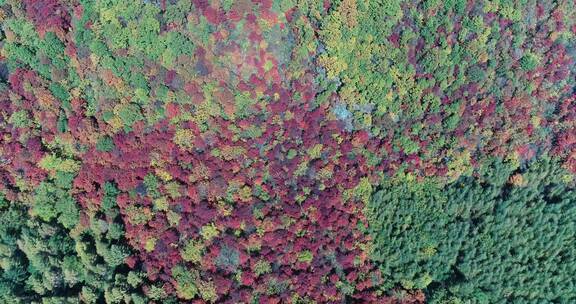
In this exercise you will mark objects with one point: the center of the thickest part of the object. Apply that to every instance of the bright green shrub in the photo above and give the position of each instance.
(529, 61)
(129, 113)
(185, 279)
(105, 144)
(20, 119)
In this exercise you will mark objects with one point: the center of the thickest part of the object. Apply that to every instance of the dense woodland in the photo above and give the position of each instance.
(287, 151)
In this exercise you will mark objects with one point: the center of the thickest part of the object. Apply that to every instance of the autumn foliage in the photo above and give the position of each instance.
(176, 151)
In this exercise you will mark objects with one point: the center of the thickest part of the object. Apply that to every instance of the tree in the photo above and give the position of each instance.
(45, 257)
(505, 236)
(105, 144)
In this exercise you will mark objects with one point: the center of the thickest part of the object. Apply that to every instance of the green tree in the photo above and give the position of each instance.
(505, 236)
(45, 258)
(105, 144)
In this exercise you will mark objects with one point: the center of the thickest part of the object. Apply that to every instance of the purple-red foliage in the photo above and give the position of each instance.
(48, 15)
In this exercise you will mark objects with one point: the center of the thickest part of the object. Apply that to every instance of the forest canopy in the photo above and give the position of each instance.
(287, 151)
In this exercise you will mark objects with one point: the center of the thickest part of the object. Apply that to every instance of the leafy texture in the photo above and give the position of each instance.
(283, 151)
(481, 240)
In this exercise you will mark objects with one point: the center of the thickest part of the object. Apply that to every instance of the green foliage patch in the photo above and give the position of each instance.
(503, 237)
